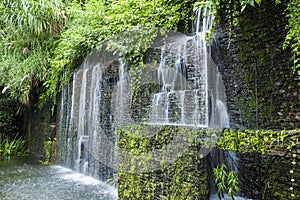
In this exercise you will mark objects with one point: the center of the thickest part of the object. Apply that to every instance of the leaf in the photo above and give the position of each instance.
(258, 1)
(251, 3)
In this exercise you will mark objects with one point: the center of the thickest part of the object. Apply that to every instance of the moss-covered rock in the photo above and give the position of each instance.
(262, 91)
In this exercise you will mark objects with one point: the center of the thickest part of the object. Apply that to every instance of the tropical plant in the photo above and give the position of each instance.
(27, 31)
(96, 23)
(232, 183)
(226, 181)
(220, 176)
(12, 147)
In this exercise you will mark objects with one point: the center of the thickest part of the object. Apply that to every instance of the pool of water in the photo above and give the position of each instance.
(24, 178)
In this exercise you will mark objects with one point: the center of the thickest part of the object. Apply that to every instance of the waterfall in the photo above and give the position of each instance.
(83, 141)
(182, 97)
(121, 104)
(190, 93)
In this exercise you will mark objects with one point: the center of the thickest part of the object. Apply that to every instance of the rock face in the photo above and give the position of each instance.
(262, 91)
(40, 127)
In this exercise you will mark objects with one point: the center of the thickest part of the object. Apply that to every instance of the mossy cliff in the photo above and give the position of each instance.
(267, 162)
(262, 94)
(40, 129)
(262, 91)
(163, 165)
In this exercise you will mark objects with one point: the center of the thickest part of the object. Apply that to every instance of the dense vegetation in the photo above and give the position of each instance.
(11, 143)
(41, 42)
(12, 146)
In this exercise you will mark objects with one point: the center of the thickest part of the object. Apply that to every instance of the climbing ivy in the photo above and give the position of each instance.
(293, 35)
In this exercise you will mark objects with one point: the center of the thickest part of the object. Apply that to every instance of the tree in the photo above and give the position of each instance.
(28, 29)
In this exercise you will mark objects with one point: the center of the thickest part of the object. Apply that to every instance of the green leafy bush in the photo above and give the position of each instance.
(96, 23)
(12, 147)
(226, 181)
(27, 32)
(8, 115)
(293, 36)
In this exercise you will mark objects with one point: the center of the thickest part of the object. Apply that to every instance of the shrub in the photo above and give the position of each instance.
(12, 147)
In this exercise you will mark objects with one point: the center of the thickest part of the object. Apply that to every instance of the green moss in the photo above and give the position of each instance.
(184, 178)
(264, 70)
(259, 141)
(50, 152)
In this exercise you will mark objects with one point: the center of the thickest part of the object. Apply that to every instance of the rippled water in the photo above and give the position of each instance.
(24, 179)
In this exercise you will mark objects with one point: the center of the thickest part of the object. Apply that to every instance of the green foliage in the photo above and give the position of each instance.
(18, 78)
(27, 31)
(293, 36)
(108, 25)
(226, 181)
(138, 138)
(260, 141)
(232, 183)
(12, 147)
(220, 178)
(228, 13)
(50, 152)
(30, 29)
(185, 178)
(33, 18)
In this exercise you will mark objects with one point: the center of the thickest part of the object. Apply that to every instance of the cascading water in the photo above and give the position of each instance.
(83, 145)
(190, 93)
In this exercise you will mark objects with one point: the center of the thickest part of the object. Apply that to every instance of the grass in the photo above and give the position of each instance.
(12, 147)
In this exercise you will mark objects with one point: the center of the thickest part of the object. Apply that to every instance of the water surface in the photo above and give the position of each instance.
(24, 178)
